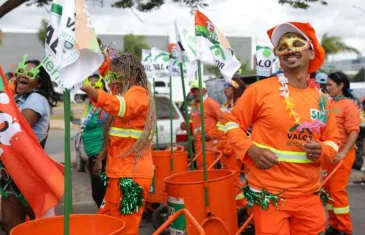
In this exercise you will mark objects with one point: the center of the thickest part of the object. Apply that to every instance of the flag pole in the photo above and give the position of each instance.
(154, 97)
(171, 130)
(187, 117)
(203, 134)
(68, 185)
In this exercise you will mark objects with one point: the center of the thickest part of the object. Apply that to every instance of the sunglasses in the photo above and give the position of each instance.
(28, 74)
(227, 85)
(111, 77)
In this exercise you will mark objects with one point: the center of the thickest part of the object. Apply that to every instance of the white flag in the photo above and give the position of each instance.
(265, 59)
(160, 61)
(213, 48)
(147, 62)
(187, 50)
(72, 52)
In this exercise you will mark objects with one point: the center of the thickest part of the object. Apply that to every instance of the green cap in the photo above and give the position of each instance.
(195, 84)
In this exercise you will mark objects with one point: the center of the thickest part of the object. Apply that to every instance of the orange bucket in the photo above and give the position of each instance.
(211, 156)
(161, 162)
(92, 224)
(186, 190)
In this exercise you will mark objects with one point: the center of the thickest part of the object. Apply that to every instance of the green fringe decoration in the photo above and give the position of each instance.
(132, 194)
(325, 197)
(104, 178)
(262, 198)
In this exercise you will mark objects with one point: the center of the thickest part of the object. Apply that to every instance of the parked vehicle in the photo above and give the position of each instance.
(163, 125)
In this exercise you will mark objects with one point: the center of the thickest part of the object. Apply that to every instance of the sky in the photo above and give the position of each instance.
(232, 17)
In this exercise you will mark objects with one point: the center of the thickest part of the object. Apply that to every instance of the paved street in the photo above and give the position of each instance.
(83, 202)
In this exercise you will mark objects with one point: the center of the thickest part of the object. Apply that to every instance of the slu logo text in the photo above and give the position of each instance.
(317, 114)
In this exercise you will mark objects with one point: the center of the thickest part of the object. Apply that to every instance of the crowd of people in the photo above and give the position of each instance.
(286, 133)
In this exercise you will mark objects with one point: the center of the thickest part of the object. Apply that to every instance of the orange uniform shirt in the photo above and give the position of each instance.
(130, 117)
(348, 118)
(262, 106)
(212, 114)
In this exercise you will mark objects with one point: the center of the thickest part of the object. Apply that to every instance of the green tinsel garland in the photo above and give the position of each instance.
(262, 198)
(104, 178)
(131, 192)
(325, 197)
(132, 196)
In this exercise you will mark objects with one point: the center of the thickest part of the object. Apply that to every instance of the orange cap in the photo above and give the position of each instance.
(307, 31)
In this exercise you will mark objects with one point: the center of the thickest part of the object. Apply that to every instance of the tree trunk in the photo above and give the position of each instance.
(9, 6)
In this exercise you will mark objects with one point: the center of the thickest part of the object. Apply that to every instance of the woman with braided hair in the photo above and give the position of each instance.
(127, 145)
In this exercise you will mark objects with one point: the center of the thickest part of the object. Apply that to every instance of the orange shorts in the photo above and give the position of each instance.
(299, 216)
(111, 204)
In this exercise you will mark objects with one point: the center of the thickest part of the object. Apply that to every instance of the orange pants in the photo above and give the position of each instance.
(339, 209)
(296, 216)
(111, 204)
(235, 165)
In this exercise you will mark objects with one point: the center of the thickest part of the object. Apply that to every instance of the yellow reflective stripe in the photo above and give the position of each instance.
(220, 127)
(287, 156)
(332, 144)
(121, 106)
(230, 126)
(240, 196)
(341, 210)
(125, 133)
(329, 207)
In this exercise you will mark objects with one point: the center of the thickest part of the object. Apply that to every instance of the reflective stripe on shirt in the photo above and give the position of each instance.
(125, 133)
(121, 106)
(287, 156)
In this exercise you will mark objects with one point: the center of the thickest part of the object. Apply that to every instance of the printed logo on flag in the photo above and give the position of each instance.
(264, 60)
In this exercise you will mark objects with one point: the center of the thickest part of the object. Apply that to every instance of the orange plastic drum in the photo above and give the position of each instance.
(92, 224)
(186, 190)
(164, 168)
(211, 157)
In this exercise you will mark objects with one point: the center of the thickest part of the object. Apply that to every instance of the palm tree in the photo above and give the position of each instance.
(42, 31)
(134, 44)
(333, 45)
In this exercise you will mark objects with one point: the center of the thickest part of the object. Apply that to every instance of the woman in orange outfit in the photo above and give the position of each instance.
(232, 90)
(348, 122)
(129, 168)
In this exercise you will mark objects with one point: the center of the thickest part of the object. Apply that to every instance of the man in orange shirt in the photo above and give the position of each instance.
(293, 131)
(129, 166)
(212, 114)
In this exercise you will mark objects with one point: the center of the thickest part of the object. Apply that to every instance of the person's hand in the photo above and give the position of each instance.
(183, 126)
(85, 88)
(263, 158)
(313, 149)
(339, 156)
(98, 165)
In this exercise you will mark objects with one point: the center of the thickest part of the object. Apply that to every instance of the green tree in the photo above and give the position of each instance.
(245, 69)
(147, 5)
(333, 45)
(42, 32)
(359, 77)
(140, 5)
(302, 4)
(134, 44)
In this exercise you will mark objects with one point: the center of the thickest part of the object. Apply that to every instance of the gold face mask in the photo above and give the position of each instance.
(290, 43)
